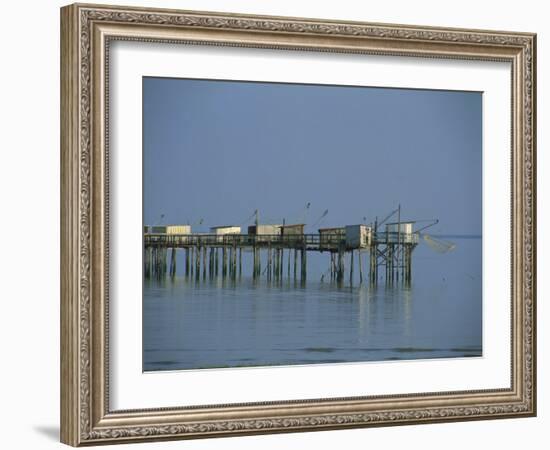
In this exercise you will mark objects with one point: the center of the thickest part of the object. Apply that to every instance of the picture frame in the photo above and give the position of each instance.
(87, 32)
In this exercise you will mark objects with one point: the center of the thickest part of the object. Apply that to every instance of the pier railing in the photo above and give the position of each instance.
(318, 242)
(384, 237)
(234, 240)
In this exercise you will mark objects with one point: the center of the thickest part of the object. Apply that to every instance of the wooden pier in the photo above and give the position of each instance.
(213, 255)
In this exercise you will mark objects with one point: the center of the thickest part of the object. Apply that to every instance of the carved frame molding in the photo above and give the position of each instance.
(86, 32)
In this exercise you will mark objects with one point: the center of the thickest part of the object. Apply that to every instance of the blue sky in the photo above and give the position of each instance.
(217, 150)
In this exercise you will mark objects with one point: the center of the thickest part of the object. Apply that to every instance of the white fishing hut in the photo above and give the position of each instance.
(171, 229)
(401, 232)
(225, 229)
(358, 236)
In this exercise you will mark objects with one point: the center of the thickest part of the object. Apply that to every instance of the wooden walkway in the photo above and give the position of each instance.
(211, 255)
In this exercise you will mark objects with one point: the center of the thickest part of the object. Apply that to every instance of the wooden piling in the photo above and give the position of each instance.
(173, 263)
(224, 262)
(406, 264)
(156, 264)
(276, 268)
(214, 262)
(410, 263)
(159, 262)
(210, 259)
(269, 262)
(372, 263)
(234, 260)
(186, 262)
(343, 268)
(282, 263)
(392, 264)
(240, 261)
(197, 263)
(340, 268)
(160, 252)
(295, 261)
(254, 262)
(211, 267)
(351, 268)
(147, 261)
(230, 262)
(204, 263)
(388, 263)
(151, 262)
(337, 265)
(288, 265)
(360, 267)
(375, 264)
(304, 263)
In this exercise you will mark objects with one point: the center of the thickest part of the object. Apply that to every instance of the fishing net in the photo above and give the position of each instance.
(438, 245)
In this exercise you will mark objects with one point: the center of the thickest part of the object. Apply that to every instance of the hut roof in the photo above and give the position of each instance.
(331, 228)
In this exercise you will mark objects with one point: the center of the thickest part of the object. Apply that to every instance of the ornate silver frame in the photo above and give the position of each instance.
(86, 31)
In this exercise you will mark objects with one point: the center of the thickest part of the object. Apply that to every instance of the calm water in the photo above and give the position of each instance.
(189, 324)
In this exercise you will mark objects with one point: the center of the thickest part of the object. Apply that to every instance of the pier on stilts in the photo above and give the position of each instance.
(283, 249)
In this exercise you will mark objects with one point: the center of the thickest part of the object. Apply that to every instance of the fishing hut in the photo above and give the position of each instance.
(222, 230)
(265, 230)
(170, 229)
(358, 236)
(293, 229)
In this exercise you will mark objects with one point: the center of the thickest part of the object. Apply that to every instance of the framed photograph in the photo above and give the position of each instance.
(275, 224)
